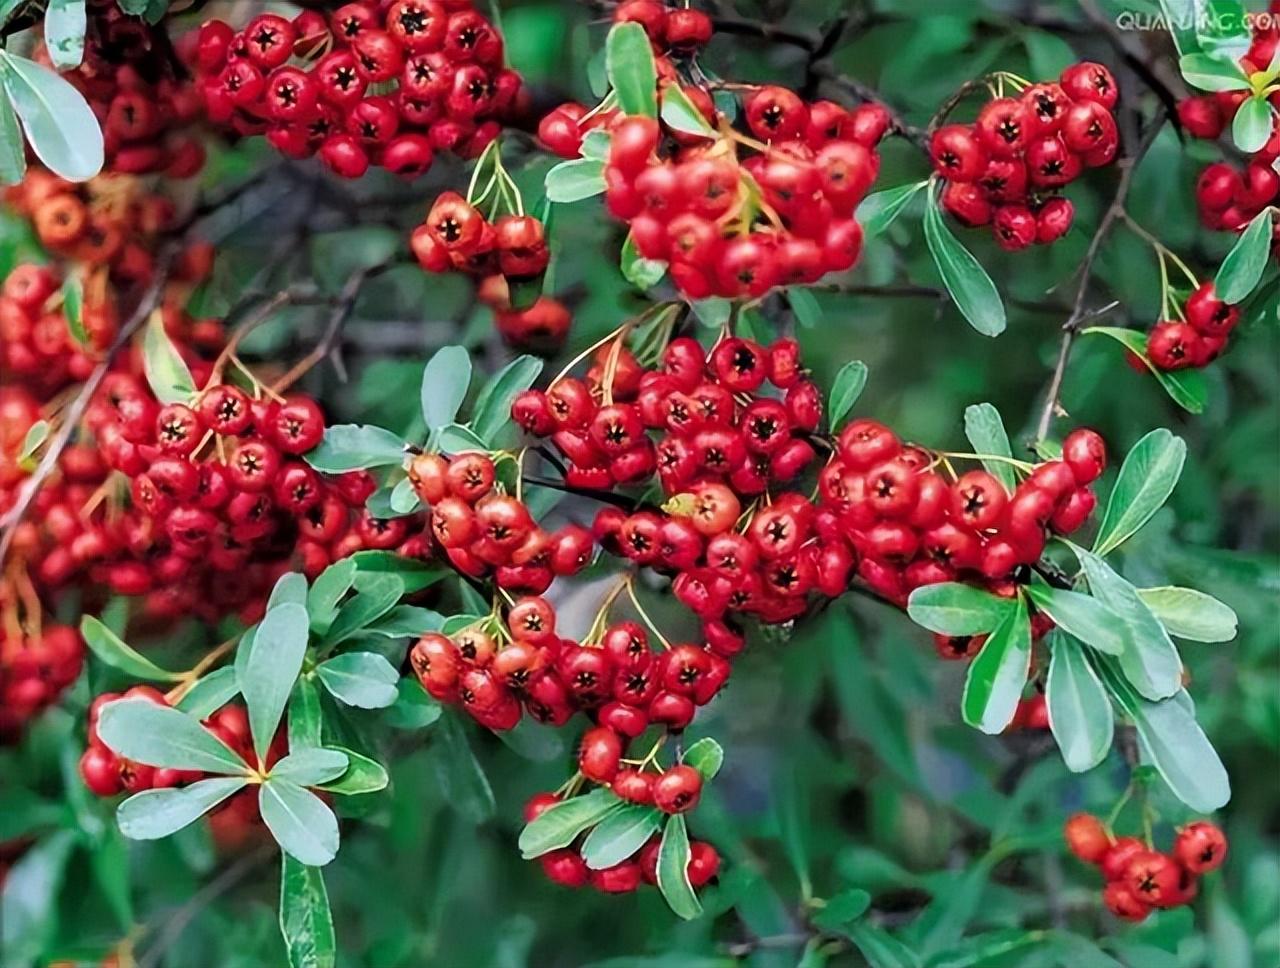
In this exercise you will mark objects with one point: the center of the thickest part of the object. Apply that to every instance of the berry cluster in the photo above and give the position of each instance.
(714, 419)
(567, 868)
(456, 236)
(1199, 338)
(1140, 878)
(372, 84)
(540, 327)
(34, 668)
(486, 532)
(1006, 169)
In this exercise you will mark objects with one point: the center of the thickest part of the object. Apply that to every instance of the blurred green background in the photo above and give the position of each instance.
(847, 765)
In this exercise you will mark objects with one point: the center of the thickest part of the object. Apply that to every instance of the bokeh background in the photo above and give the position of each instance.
(847, 765)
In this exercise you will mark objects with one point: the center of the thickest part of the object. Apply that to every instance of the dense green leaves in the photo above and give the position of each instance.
(986, 433)
(673, 869)
(974, 293)
(558, 825)
(145, 731)
(1242, 269)
(998, 673)
(363, 679)
(378, 596)
(59, 124)
(153, 814)
(299, 821)
(629, 63)
(271, 668)
(620, 834)
(1080, 713)
(115, 652)
(167, 373)
(445, 381)
(845, 390)
(1147, 478)
(954, 608)
(305, 919)
(1190, 614)
(352, 447)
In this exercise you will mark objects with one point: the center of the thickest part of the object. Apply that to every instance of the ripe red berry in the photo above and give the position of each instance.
(677, 789)
(1200, 847)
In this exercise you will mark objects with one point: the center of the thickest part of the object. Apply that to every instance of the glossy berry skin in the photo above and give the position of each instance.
(1087, 838)
(1123, 903)
(677, 790)
(1200, 847)
(1154, 878)
(599, 753)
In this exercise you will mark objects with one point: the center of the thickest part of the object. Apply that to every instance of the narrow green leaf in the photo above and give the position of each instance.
(310, 767)
(64, 25)
(805, 307)
(974, 293)
(620, 834)
(144, 731)
(462, 779)
(73, 307)
(1187, 388)
(327, 590)
(706, 756)
(167, 373)
(377, 597)
(998, 673)
(35, 436)
(880, 948)
(1211, 74)
(59, 124)
(153, 814)
(13, 154)
(845, 390)
(299, 821)
(362, 679)
(445, 381)
(113, 651)
(457, 439)
(631, 70)
(673, 869)
(640, 272)
(572, 181)
(1251, 127)
(985, 432)
(843, 909)
(289, 587)
(29, 902)
(878, 211)
(1082, 616)
(1242, 269)
(210, 693)
(680, 114)
(493, 405)
(305, 723)
(560, 824)
(413, 708)
(595, 144)
(1190, 614)
(362, 775)
(1147, 478)
(305, 919)
(954, 608)
(791, 809)
(416, 575)
(407, 621)
(1150, 661)
(272, 668)
(1080, 713)
(351, 447)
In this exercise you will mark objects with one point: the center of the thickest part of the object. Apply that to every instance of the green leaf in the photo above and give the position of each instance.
(60, 126)
(457, 439)
(629, 64)
(706, 756)
(1080, 714)
(29, 904)
(462, 779)
(572, 181)
(35, 436)
(445, 381)
(1079, 615)
(166, 371)
(73, 307)
(113, 651)
(377, 597)
(493, 405)
(843, 908)
(620, 834)
(327, 590)
(1211, 74)
(1187, 388)
(299, 821)
(1149, 659)
(407, 621)
(985, 432)
(805, 307)
(791, 809)
(153, 814)
(954, 608)
(998, 673)
(640, 272)
(673, 869)
(13, 154)
(305, 919)
(1173, 741)
(305, 723)
(362, 775)
(352, 447)
(845, 390)
(146, 732)
(64, 25)
(271, 668)
(1147, 478)
(312, 766)
(1242, 269)
(595, 144)
(1190, 614)
(210, 693)
(560, 824)
(413, 708)
(362, 679)
(974, 293)
(415, 574)
(879, 210)
(680, 114)
(289, 587)
(1251, 127)
(880, 948)
(712, 312)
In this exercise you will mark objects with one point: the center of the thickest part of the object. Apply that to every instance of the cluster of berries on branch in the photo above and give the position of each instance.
(373, 83)
(1139, 878)
(1198, 336)
(1007, 169)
